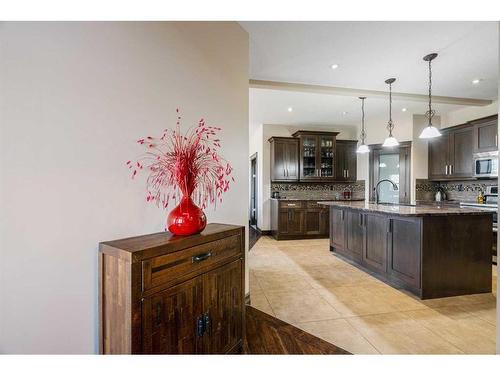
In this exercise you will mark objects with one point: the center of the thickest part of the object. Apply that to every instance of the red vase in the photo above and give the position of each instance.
(186, 219)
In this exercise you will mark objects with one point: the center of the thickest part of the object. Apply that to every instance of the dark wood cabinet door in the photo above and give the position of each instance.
(355, 233)
(325, 221)
(283, 222)
(340, 161)
(404, 251)
(438, 157)
(291, 221)
(375, 242)
(223, 304)
(309, 151)
(460, 158)
(279, 151)
(312, 223)
(337, 228)
(486, 134)
(326, 157)
(346, 160)
(351, 161)
(296, 221)
(292, 160)
(170, 317)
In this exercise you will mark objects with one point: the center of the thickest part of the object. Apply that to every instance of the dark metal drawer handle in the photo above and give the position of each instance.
(201, 257)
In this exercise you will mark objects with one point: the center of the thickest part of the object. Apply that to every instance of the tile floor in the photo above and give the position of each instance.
(302, 283)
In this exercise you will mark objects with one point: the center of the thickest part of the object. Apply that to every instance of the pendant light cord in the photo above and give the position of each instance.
(390, 125)
(430, 113)
(363, 133)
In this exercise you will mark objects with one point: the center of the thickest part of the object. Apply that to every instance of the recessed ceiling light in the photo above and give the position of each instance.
(404, 109)
(334, 66)
(290, 109)
(476, 81)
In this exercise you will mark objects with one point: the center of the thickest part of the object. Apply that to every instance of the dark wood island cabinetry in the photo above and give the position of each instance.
(432, 251)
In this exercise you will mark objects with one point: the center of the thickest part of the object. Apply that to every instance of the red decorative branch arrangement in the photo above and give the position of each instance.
(188, 165)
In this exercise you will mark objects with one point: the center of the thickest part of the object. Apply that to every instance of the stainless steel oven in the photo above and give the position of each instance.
(486, 164)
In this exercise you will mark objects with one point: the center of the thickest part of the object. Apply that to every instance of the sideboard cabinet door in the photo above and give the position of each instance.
(223, 304)
(170, 319)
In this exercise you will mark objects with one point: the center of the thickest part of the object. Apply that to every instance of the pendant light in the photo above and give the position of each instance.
(390, 141)
(430, 131)
(362, 149)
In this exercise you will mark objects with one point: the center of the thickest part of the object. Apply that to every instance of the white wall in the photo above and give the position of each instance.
(74, 98)
(465, 114)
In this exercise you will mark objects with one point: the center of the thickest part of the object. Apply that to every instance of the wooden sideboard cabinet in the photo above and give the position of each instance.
(165, 294)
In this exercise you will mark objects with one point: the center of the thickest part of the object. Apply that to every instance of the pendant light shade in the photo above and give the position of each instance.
(390, 141)
(430, 131)
(363, 149)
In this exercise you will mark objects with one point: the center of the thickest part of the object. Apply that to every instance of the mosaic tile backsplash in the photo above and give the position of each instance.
(464, 191)
(318, 190)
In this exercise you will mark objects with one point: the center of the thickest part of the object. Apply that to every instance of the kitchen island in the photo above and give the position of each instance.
(430, 250)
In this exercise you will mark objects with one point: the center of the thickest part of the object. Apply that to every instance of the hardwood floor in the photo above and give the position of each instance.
(268, 335)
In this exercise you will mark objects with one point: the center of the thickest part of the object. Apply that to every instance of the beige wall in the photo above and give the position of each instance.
(74, 98)
(465, 114)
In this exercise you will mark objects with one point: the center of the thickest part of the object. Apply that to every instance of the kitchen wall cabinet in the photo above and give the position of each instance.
(284, 159)
(165, 294)
(485, 134)
(298, 219)
(346, 160)
(450, 156)
(316, 155)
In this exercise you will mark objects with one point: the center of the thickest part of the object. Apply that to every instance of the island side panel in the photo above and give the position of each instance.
(456, 255)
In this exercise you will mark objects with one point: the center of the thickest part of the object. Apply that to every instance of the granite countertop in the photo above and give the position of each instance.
(320, 200)
(402, 210)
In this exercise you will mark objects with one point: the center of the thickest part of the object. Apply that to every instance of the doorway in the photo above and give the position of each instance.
(391, 164)
(254, 232)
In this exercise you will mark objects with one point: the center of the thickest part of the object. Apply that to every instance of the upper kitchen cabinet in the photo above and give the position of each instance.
(485, 134)
(284, 159)
(316, 155)
(450, 156)
(346, 160)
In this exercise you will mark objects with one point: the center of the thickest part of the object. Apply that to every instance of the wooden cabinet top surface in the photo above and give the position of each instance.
(149, 245)
(314, 132)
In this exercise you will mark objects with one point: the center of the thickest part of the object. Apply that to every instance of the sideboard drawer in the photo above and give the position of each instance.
(166, 268)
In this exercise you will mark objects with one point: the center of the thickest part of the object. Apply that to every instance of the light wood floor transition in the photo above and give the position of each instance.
(302, 283)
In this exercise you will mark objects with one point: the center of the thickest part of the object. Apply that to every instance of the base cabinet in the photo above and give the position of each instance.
(375, 242)
(298, 220)
(404, 251)
(387, 246)
(162, 294)
(354, 230)
(430, 256)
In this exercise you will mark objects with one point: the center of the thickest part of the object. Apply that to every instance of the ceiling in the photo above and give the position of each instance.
(369, 52)
(271, 107)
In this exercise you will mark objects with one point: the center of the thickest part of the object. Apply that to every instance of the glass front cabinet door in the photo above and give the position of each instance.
(317, 155)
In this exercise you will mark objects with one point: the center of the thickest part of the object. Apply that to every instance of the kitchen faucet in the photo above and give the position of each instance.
(394, 186)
